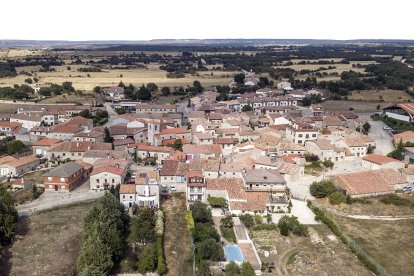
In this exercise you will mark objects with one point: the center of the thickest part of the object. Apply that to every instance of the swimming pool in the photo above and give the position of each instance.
(233, 253)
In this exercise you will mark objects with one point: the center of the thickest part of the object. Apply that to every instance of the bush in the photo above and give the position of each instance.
(227, 221)
(247, 220)
(201, 213)
(147, 260)
(203, 231)
(337, 198)
(209, 249)
(263, 226)
(161, 267)
(159, 224)
(217, 202)
(395, 200)
(232, 269)
(309, 157)
(322, 188)
(328, 164)
(258, 219)
(292, 224)
(246, 269)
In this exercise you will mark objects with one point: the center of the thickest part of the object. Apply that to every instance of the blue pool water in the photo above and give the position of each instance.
(233, 253)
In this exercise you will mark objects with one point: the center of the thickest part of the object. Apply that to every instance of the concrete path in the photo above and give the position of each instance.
(239, 230)
(299, 210)
(382, 138)
(52, 199)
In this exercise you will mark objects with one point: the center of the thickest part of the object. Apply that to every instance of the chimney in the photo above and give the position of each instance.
(77, 144)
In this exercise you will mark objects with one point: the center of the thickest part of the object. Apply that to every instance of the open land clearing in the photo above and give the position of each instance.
(321, 253)
(390, 243)
(357, 106)
(47, 243)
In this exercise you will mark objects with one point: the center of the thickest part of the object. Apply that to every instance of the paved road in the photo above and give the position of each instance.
(382, 138)
(111, 111)
(52, 199)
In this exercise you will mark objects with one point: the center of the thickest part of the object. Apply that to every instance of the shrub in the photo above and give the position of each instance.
(309, 157)
(292, 224)
(247, 220)
(337, 198)
(227, 221)
(328, 164)
(217, 202)
(263, 226)
(147, 260)
(161, 267)
(258, 219)
(246, 269)
(203, 231)
(322, 188)
(201, 213)
(209, 249)
(159, 224)
(395, 200)
(232, 269)
(189, 220)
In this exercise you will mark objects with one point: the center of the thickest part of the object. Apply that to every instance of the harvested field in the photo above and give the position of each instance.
(357, 106)
(387, 95)
(47, 243)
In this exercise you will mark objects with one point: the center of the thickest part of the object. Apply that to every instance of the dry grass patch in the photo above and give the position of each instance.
(357, 106)
(319, 254)
(47, 243)
(177, 239)
(386, 95)
(390, 243)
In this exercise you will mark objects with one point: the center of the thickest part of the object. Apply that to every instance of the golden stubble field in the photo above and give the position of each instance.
(110, 77)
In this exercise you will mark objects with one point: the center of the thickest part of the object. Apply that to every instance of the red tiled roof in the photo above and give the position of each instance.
(379, 159)
(109, 169)
(45, 142)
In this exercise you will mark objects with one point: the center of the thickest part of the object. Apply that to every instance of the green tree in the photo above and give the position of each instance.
(292, 224)
(247, 108)
(246, 269)
(165, 91)
(337, 198)
(28, 80)
(144, 94)
(201, 213)
(147, 260)
(247, 219)
(95, 256)
(120, 110)
(209, 249)
(8, 217)
(239, 78)
(67, 86)
(152, 87)
(107, 136)
(198, 87)
(178, 145)
(97, 89)
(232, 269)
(322, 188)
(15, 146)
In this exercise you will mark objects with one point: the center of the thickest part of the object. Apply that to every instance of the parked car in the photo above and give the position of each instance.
(407, 189)
(387, 128)
(173, 188)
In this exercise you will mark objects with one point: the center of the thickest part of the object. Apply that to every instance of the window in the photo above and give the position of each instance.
(97, 186)
(313, 135)
(62, 179)
(165, 178)
(113, 181)
(62, 187)
(300, 135)
(307, 135)
(123, 196)
(97, 180)
(172, 178)
(49, 179)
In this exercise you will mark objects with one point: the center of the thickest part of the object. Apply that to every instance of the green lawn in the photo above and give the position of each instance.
(393, 123)
(228, 234)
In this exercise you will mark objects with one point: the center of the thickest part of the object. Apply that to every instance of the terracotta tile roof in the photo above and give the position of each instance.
(45, 142)
(204, 165)
(153, 148)
(290, 146)
(124, 142)
(409, 170)
(234, 167)
(322, 143)
(368, 182)
(119, 129)
(379, 159)
(224, 141)
(66, 128)
(178, 155)
(233, 186)
(202, 149)
(354, 141)
(127, 189)
(169, 167)
(406, 136)
(7, 159)
(263, 176)
(25, 160)
(193, 174)
(255, 201)
(176, 130)
(182, 169)
(11, 125)
(203, 136)
(108, 169)
(168, 142)
(71, 146)
(86, 166)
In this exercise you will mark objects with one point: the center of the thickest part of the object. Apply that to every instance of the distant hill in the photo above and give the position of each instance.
(189, 42)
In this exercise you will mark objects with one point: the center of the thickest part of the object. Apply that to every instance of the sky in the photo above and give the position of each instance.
(195, 19)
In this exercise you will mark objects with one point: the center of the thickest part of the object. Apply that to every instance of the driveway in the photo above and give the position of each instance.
(52, 199)
(347, 166)
(300, 187)
(382, 138)
(299, 210)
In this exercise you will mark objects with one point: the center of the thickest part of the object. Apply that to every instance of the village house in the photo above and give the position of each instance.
(92, 136)
(404, 137)
(9, 128)
(377, 161)
(74, 150)
(202, 151)
(325, 150)
(356, 146)
(402, 111)
(114, 93)
(41, 147)
(196, 187)
(21, 183)
(27, 121)
(370, 183)
(147, 190)
(201, 138)
(64, 131)
(289, 148)
(156, 108)
(18, 166)
(107, 176)
(299, 134)
(65, 177)
(144, 151)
